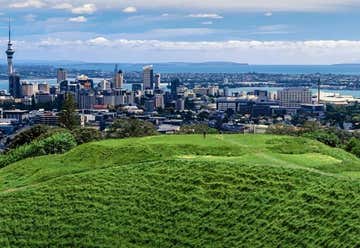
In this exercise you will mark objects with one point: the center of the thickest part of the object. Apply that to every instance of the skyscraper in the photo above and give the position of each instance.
(175, 83)
(15, 86)
(119, 80)
(148, 77)
(157, 81)
(61, 75)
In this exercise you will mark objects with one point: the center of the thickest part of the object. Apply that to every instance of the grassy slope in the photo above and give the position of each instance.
(225, 191)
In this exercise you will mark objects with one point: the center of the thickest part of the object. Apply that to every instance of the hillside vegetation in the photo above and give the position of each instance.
(184, 191)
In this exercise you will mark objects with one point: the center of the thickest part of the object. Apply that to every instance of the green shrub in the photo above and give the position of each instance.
(55, 144)
(58, 143)
(325, 137)
(86, 135)
(27, 136)
(124, 128)
(353, 146)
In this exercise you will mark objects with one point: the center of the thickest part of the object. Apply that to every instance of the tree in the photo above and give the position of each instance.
(203, 115)
(68, 117)
(86, 135)
(131, 127)
(55, 144)
(27, 136)
(325, 137)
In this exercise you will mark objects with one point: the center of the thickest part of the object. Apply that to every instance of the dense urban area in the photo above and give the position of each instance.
(135, 155)
(173, 102)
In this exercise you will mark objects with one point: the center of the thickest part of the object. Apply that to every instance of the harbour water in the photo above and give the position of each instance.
(354, 93)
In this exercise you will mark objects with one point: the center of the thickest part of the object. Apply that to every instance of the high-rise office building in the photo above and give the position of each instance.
(27, 89)
(61, 75)
(180, 104)
(294, 97)
(14, 86)
(159, 101)
(148, 77)
(43, 88)
(175, 83)
(157, 81)
(119, 80)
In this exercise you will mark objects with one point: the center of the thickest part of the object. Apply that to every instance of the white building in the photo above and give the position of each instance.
(294, 97)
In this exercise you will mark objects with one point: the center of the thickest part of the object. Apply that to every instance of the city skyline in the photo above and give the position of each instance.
(255, 32)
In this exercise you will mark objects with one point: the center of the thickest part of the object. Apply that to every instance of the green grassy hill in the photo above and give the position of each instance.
(184, 191)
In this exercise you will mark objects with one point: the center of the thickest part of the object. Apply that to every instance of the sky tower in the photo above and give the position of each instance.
(10, 53)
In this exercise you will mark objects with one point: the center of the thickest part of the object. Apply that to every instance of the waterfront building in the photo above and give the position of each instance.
(294, 97)
(61, 75)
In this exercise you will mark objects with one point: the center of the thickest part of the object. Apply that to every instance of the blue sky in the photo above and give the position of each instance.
(256, 31)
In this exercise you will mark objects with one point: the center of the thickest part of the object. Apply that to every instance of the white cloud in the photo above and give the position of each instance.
(85, 9)
(209, 16)
(268, 14)
(108, 49)
(207, 23)
(98, 41)
(28, 4)
(63, 6)
(129, 10)
(78, 19)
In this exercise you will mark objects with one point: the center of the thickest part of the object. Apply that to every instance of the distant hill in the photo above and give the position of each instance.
(184, 191)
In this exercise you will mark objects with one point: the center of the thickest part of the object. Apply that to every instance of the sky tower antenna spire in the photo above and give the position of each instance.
(9, 30)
